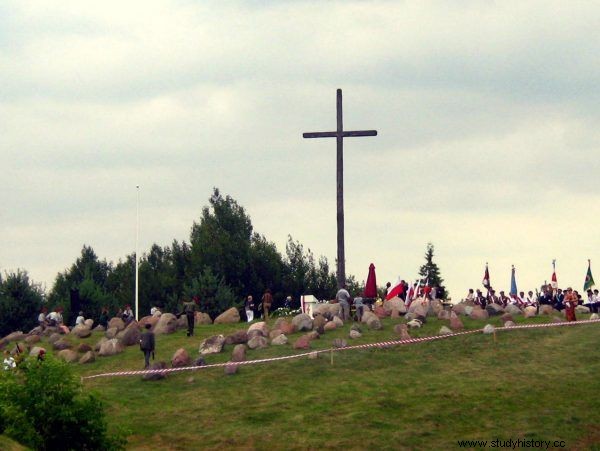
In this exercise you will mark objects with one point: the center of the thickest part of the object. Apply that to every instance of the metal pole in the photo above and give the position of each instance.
(341, 257)
(137, 237)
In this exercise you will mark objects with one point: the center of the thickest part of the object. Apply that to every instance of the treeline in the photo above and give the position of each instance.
(224, 261)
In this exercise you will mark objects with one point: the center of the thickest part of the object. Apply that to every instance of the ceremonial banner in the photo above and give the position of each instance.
(486, 278)
(513, 282)
(589, 279)
(554, 282)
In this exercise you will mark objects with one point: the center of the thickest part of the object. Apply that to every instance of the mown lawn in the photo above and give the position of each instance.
(530, 384)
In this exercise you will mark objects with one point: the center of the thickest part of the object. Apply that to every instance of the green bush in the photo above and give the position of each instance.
(42, 406)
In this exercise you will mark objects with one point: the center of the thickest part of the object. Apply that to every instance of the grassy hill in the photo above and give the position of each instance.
(528, 384)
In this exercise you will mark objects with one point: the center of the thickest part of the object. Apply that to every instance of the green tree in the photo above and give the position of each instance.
(42, 406)
(20, 302)
(215, 295)
(431, 272)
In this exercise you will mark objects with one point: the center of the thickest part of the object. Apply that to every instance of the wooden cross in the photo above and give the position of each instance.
(340, 134)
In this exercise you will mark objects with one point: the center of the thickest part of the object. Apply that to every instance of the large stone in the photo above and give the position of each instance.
(459, 308)
(512, 309)
(180, 358)
(68, 355)
(152, 320)
(202, 318)
(89, 323)
(81, 331)
(36, 331)
(414, 324)
(394, 304)
(230, 316)
(479, 313)
(327, 308)
(594, 316)
(494, 309)
(285, 326)
(238, 337)
(506, 317)
(456, 323)
(529, 312)
(319, 322)
(239, 353)
(330, 325)
(111, 332)
(99, 343)
(274, 333)
(444, 331)
(130, 336)
(54, 338)
(435, 307)
(99, 328)
(14, 336)
(489, 329)
(395, 314)
(261, 326)
(88, 357)
(230, 369)
(313, 335)
(36, 350)
(156, 366)
(354, 334)
(339, 343)
(116, 322)
(303, 342)
(548, 310)
(338, 321)
(380, 312)
(279, 340)
(582, 309)
(258, 342)
(371, 320)
(48, 331)
(419, 307)
(182, 322)
(444, 315)
(402, 330)
(83, 348)
(110, 347)
(509, 324)
(167, 324)
(32, 339)
(61, 344)
(302, 322)
(212, 345)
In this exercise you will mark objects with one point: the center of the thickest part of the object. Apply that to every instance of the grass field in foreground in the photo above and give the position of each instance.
(530, 384)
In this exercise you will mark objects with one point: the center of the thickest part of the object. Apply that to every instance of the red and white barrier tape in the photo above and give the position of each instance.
(382, 344)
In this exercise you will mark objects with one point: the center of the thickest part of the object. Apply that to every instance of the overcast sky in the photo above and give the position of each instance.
(488, 116)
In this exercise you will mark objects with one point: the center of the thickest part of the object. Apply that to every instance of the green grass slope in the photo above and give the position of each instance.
(527, 384)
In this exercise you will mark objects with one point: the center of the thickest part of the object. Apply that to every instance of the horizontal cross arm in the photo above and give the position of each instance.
(360, 133)
(320, 135)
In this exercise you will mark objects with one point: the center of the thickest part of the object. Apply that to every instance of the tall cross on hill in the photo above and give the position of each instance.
(340, 134)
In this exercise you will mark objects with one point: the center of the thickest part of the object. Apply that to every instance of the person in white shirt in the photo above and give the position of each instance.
(80, 320)
(155, 311)
(531, 300)
(55, 318)
(42, 317)
(9, 362)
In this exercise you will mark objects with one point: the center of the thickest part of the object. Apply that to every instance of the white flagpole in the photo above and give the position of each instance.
(137, 236)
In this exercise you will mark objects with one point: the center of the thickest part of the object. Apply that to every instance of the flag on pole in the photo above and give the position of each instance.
(513, 282)
(554, 282)
(396, 291)
(486, 278)
(589, 279)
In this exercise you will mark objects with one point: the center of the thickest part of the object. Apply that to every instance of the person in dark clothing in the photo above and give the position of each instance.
(147, 344)
(104, 318)
(189, 308)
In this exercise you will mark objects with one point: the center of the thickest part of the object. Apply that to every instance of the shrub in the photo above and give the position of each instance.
(42, 406)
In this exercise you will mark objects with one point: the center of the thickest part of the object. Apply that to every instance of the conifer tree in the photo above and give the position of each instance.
(431, 271)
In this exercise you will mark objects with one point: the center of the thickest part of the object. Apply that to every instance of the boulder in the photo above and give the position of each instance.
(81, 331)
(167, 324)
(302, 322)
(279, 340)
(116, 322)
(372, 321)
(181, 322)
(255, 333)
(14, 336)
(529, 312)
(130, 336)
(61, 344)
(582, 309)
(258, 342)
(230, 368)
(36, 331)
(330, 325)
(313, 335)
(489, 329)
(339, 343)
(456, 323)
(324, 308)
(402, 330)
(354, 334)
(414, 324)
(419, 307)
(89, 323)
(110, 347)
(152, 320)
(202, 318)
(212, 345)
(506, 317)
(287, 328)
(303, 342)
(31, 339)
(99, 344)
(479, 313)
(54, 338)
(99, 328)
(380, 312)
(239, 353)
(469, 309)
(509, 324)
(435, 307)
(395, 314)
(274, 333)
(444, 315)
(83, 348)
(238, 337)
(111, 332)
(593, 316)
(394, 304)
(444, 331)
(512, 309)
(180, 358)
(459, 308)
(36, 350)
(261, 326)
(230, 316)
(338, 321)
(68, 355)
(494, 309)
(49, 331)
(156, 366)
(88, 357)
(319, 322)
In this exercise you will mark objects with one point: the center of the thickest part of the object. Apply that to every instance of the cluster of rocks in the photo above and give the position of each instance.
(468, 308)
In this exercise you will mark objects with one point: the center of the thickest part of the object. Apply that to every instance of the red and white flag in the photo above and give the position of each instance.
(396, 291)
(554, 282)
(486, 277)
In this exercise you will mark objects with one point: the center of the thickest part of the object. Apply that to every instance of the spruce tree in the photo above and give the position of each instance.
(431, 271)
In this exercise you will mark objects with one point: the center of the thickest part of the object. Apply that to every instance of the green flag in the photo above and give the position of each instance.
(589, 279)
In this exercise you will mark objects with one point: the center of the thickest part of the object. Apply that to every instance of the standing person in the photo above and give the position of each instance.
(147, 344)
(570, 304)
(344, 298)
(103, 321)
(591, 302)
(249, 307)
(42, 318)
(288, 303)
(189, 308)
(267, 300)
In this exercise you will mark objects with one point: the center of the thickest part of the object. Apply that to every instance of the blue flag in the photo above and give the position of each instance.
(513, 282)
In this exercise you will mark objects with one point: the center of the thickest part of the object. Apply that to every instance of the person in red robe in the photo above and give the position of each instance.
(570, 303)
